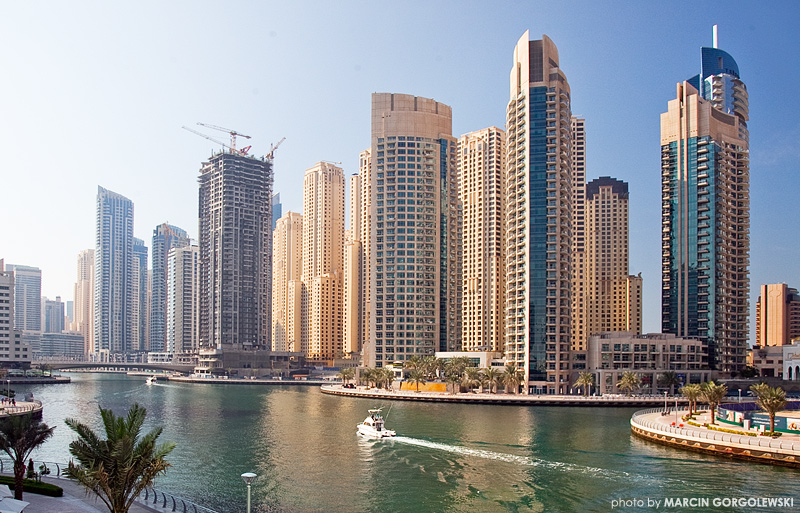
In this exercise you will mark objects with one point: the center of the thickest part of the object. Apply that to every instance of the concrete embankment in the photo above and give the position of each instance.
(244, 381)
(671, 430)
(499, 398)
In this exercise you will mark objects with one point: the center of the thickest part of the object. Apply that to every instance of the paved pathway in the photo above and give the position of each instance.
(74, 500)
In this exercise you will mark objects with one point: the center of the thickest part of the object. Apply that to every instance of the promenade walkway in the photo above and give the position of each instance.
(672, 430)
(617, 400)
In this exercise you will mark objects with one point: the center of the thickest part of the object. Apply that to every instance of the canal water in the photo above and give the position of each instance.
(303, 446)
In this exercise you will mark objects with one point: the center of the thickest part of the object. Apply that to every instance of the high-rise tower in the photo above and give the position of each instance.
(182, 289)
(235, 235)
(286, 285)
(323, 253)
(539, 218)
(481, 183)
(612, 297)
(415, 232)
(113, 275)
(165, 237)
(84, 299)
(705, 174)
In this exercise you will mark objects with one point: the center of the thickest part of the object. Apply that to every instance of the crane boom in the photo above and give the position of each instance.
(232, 133)
(271, 153)
(206, 137)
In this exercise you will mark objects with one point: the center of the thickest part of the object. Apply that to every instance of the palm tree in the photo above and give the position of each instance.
(471, 377)
(459, 364)
(629, 382)
(388, 377)
(771, 400)
(19, 436)
(454, 380)
(585, 380)
(119, 468)
(417, 376)
(511, 377)
(415, 362)
(492, 377)
(713, 394)
(368, 375)
(692, 393)
(669, 379)
(346, 375)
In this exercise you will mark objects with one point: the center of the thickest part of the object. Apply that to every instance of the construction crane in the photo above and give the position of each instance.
(271, 154)
(232, 133)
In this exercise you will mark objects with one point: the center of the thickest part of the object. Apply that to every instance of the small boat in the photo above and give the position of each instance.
(373, 427)
(151, 380)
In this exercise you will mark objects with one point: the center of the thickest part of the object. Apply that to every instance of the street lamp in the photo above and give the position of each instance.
(665, 402)
(248, 477)
(8, 389)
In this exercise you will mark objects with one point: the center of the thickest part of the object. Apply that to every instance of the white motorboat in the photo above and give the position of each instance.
(151, 380)
(373, 426)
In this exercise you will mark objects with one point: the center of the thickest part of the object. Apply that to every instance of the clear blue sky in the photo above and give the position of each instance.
(95, 93)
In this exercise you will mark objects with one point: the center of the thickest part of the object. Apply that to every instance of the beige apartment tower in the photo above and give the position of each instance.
(578, 233)
(612, 299)
(481, 182)
(323, 261)
(414, 230)
(287, 243)
(83, 316)
(777, 315)
(539, 219)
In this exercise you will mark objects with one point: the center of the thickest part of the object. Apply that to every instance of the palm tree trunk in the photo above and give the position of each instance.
(772, 423)
(19, 475)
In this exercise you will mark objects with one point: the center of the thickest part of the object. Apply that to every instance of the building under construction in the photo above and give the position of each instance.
(235, 234)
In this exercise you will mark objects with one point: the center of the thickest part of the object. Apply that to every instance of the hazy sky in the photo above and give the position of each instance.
(95, 93)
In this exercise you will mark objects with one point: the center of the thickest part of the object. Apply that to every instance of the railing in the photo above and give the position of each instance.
(699, 434)
(16, 410)
(152, 497)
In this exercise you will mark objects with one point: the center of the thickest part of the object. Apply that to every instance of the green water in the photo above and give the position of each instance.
(446, 458)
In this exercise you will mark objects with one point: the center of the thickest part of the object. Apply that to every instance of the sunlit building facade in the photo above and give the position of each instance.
(414, 229)
(481, 183)
(539, 218)
(706, 211)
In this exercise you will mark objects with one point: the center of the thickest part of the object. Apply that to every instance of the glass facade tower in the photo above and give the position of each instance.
(539, 218)
(706, 211)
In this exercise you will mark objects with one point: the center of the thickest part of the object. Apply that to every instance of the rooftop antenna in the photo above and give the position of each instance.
(714, 37)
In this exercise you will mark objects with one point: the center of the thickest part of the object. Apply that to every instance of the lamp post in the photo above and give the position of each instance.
(8, 389)
(248, 479)
(665, 402)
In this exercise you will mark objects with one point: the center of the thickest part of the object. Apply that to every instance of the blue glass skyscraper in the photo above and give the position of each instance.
(706, 211)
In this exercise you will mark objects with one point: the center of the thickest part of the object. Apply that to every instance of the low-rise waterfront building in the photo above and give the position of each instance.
(767, 360)
(610, 355)
(66, 344)
(791, 361)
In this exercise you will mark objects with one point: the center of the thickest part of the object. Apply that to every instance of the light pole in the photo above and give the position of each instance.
(8, 389)
(740, 395)
(665, 402)
(248, 479)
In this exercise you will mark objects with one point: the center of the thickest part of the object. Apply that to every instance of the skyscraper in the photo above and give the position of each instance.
(13, 349)
(286, 285)
(578, 259)
(481, 183)
(27, 297)
(165, 237)
(415, 232)
(612, 296)
(323, 253)
(706, 211)
(539, 218)
(140, 303)
(182, 289)
(235, 212)
(53, 315)
(114, 276)
(84, 300)
(777, 315)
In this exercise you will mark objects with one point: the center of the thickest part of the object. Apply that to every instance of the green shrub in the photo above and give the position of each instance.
(31, 486)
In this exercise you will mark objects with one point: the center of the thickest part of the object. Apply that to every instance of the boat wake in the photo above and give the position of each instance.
(527, 461)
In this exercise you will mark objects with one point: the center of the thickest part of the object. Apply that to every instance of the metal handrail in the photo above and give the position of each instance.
(150, 496)
(751, 441)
